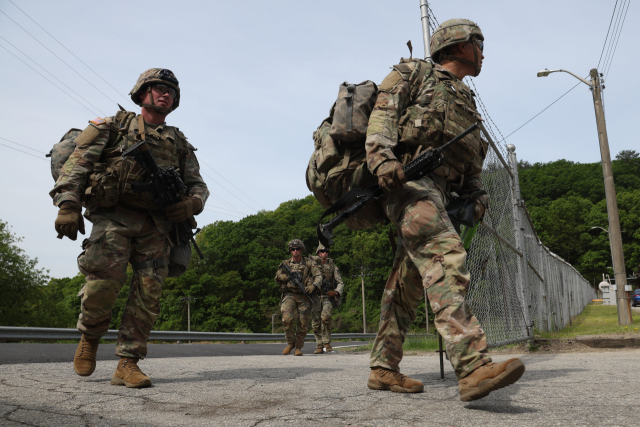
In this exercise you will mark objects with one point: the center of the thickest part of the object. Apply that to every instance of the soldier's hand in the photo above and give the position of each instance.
(478, 211)
(69, 220)
(391, 175)
(310, 289)
(183, 210)
(282, 278)
(332, 293)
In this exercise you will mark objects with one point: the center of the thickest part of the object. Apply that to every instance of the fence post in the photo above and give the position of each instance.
(518, 225)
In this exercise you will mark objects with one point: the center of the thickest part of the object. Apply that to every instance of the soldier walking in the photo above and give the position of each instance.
(295, 304)
(128, 226)
(330, 295)
(423, 105)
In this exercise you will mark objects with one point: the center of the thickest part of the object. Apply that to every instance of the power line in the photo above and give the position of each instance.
(211, 210)
(25, 146)
(128, 99)
(233, 208)
(66, 93)
(63, 61)
(615, 30)
(541, 112)
(229, 191)
(232, 184)
(619, 33)
(29, 154)
(61, 82)
(606, 38)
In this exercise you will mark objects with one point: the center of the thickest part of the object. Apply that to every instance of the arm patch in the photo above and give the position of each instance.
(87, 136)
(391, 80)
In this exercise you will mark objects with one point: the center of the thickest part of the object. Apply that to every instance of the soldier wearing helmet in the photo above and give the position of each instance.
(330, 296)
(294, 303)
(422, 105)
(128, 226)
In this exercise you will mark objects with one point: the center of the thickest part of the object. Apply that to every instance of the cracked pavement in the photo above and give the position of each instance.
(566, 389)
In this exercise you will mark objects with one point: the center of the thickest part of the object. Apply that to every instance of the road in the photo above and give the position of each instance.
(568, 389)
(12, 353)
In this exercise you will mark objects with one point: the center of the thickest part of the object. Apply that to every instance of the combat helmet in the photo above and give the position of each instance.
(156, 76)
(296, 243)
(321, 247)
(452, 32)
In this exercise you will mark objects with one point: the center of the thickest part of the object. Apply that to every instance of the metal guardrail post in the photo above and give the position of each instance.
(518, 225)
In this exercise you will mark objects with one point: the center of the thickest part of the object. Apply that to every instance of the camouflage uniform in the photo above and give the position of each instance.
(128, 226)
(422, 105)
(321, 312)
(294, 304)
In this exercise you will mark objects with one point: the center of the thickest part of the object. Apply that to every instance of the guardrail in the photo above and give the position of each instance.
(14, 333)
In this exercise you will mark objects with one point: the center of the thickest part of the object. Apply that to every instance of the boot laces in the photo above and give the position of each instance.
(131, 367)
(87, 347)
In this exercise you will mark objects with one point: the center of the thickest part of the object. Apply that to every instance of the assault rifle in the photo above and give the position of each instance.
(167, 188)
(356, 199)
(296, 279)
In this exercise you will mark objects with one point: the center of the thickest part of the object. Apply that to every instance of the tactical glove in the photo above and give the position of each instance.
(332, 293)
(310, 289)
(69, 220)
(391, 176)
(183, 210)
(282, 278)
(478, 211)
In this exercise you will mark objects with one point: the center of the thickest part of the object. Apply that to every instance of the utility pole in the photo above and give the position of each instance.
(615, 236)
(188, 300)
(426, 30)
(364, 312)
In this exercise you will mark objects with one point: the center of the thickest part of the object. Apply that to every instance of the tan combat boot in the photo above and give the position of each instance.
(328, 347)
(287, 349)
(385, 379)
(488, 378)
(319, 350)
(129, 374)
(298, 352)
(84, 362)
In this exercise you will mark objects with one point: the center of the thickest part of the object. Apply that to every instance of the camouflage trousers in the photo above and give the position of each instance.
(295, 310)
(321, 320)
(430, 254)
(104, 261)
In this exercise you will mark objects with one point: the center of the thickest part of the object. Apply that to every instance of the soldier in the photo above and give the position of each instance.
(330, 295)
(294, 303)
(128, 226)
(423, 105)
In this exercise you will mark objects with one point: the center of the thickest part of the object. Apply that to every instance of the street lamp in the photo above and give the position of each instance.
(615, 236)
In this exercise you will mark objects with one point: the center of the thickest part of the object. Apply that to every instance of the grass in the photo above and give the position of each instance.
(415, 344)
(595, 319)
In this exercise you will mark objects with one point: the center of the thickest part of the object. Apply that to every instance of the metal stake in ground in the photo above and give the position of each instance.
(364, 314)
(188, 300)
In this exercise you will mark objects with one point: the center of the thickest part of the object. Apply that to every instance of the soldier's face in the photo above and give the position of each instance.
(296, 253)
(323, 254)
(160, 98)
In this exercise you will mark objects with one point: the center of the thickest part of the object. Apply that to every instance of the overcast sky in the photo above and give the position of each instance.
(258, 77)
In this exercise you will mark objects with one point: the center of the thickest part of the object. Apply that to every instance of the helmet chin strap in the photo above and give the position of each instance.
(158, 108)
(475, 62)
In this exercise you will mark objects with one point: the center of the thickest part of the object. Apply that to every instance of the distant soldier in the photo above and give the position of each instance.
(421, 106)
(296, 304)
(128, 226)
(330, 295)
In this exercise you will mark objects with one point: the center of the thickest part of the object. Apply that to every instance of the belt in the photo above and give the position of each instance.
(152, 263)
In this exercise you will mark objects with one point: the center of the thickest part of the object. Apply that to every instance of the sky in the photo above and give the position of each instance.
(258, 77)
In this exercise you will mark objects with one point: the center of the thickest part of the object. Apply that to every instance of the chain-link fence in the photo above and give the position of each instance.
(517, 284)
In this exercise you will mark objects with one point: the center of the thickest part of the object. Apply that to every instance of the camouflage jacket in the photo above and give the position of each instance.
(331, 273)
(308, 270)
(98, 155)
(423, 107)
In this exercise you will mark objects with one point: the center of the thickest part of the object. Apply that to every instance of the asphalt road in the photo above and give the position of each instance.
(569, 389)
(12, 353)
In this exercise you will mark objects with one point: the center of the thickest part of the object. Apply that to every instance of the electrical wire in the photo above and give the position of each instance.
(61, 82)
(75, 56)
(66, 93)
(232, 184)
(210, 177)
(62, 60)
(211, 210)
(606, 73)
(609, 51)
(25, 146)
(606, 38)
(28, 154)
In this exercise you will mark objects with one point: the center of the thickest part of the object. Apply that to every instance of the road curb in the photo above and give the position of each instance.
(611, 341)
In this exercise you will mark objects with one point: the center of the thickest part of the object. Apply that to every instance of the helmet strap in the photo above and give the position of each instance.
(475, 63)
(159, 109)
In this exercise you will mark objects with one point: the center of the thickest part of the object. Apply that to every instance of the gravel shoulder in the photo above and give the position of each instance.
(575, 388)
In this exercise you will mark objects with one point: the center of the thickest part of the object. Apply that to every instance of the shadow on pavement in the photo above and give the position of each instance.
(257, 374)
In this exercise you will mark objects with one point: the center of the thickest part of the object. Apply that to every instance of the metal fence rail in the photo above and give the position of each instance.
(517, 284)
(11, 333)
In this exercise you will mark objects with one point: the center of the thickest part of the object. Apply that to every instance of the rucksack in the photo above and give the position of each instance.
(338, 163)
(61, 151)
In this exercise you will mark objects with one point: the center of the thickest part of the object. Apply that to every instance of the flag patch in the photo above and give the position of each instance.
(98, 121)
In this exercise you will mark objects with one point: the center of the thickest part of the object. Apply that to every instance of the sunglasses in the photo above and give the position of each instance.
(480, 44)
(323, 251)
(162, 89)
(295, 249)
